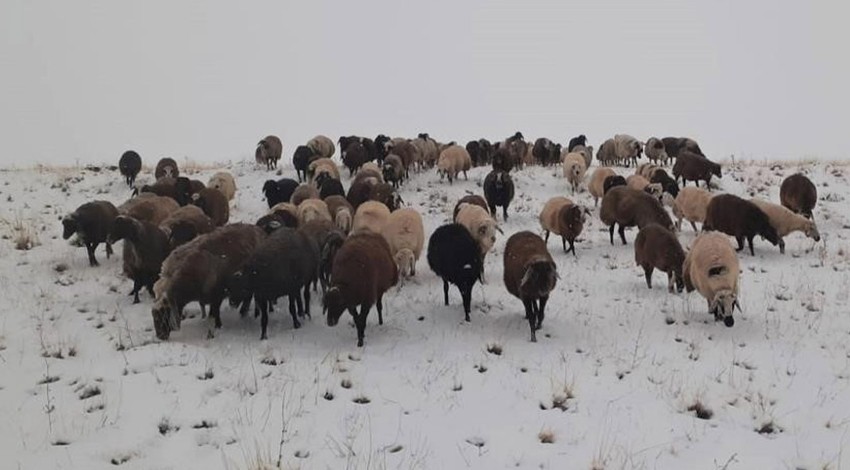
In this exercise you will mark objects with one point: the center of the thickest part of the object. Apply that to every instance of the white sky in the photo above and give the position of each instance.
(85, 79)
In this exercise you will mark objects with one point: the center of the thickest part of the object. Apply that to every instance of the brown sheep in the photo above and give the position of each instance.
(214, 205)
(530, 275)
(690, 166)
(739, 218)
(268, 152)
(658, 248)
(597, 181)
(470, 199)
(145, 248)
(342, 212)
(185, 224)
(629, 207)
(149, 208)
(799, 194)
(562, 217)
(92, 222)
(303, 192)
(166, 167)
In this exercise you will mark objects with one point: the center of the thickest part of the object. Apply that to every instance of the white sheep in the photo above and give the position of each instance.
(586, 152)
(596, 187)
(224, 182)
(323, 165)
(371, 216)
(452, 161)
(574, 169)
(371, 169)
(691, 204)
(711, 267)
(480, 224)
(405, 234)
(627, 148)
(786, 221)
(313, 209)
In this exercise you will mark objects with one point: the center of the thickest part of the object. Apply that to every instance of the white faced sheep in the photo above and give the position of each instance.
(224, 182)
(785, 221)
(530, 275)
(470, 199)
(371, 216)
(691, 204)
(586, 152)
(596, 187)
(629, 207)
(455, 257)
(562, 217)
(452, 161)
(658, 248)
(214, 204)
(92, 222)
(574, 169)
(145, 248)
(149, 208)
(481, 226)
(185, 224)
(405, 235)
(799, 194)
(322, 146)
(341, 211)
(166, 168)
(711, 267)
(313, 209)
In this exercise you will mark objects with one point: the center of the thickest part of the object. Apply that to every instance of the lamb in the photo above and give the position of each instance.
(455, 257)
(363, 270)
(301, 160)
(268, 152)
(481, 226)
(563, 217)
(279, 191)
(313, 209)
(694, 167)
(224, 182)
(799, 194)
(130, 165)
(785, 221)
(322, 165)
(499, 191)
(371, 216)
(322, 146)
(341, 211)
(304, 192)
(393, 170)
(739, 218)
(597, 181)
(145, 248)
(530, 275)
(92, 222)
(691, 204)
(658, 248)
(675, 145)
(470, 199)
(655, 151)
(711, 267)
(166, 168)
(579, 140)
(574, 169)
(214, 205)
(629, 207)
(186, 223)
(149, 208)
(452, 161)
(197, 271)
(329, 187)
(405, 236)
(354, 156)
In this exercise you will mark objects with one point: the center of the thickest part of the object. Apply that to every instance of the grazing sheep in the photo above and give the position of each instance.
(320, 166)
(279, 191)
(150, 208)
(642, 184)
(198, 271)
(327, 252)
(613, 182)
(580, 140)
(607, 153)
(691, 204)
(354, 156)
(799, 194)
(711, 267)
(658, 248)
(186, 223)
(145, 248)
(214, 204)
(481, 226)
(785, 221)
(322, 146)
(596, 186)
(130, 165)
(313, 209)
(452, 161)
(393, 170)
(694, 167)
(405, 235)
(470, 199)
(224, 182)
(371, 216)
(739, 218)
(342, 212)
(456, 258)
(563, 217)
(166, 168)
(301, 160)
(268, 152)
(675, 145)
(655, 151)
(628, 149)
(329, 187)
(629, 207)
(574, 169)
(499, 191)
(363, 270)
(530, 275)
(304, 192)
(92, 222)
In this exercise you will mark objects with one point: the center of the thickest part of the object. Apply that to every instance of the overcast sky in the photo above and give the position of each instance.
(85, 80)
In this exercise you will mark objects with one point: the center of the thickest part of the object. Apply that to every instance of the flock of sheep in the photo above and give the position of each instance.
(356, 244)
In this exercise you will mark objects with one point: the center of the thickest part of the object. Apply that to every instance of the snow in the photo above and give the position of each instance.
(610, 381)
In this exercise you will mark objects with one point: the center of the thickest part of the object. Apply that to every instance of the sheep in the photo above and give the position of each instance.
(503, 160)
(480, 151)
(516, 147)
(214, 204)
(92, 222)
(313, 209)
(288, 212)
(499, 191)
(574, 169)
(613, 182)
(198, 271)
(674, 145)
(275, 220)
(186, 223)
(452, 161)
(642, 184)
(629, 207)
(382, 145)
(470, 199)
(166, 187)
(327, 252)
(408, 153)
(322, 146)
(607, 153)
(655, 151)
(341, 211)
(694, 167)
(428, 149)
(579, 140)
(739, 218)
(481, 226)
(304, 192)
(798, 194)
(354, 156)
(224, 182)
(385, 193)
(322, 165)
(393, 170)
(370, 170)
(329, 187)
(360, 191)
(711, 267)
(658, 248)
(597, 181)
(371, 216)
(691, 204)
(563, 217)
(668, 184)
(186, 188)
(586, 152)
(405, 236)
(166, 168)
(149, 208)
(363, 270)
(628, 149)
(145, 248)
(455, 257)
(301, 160)
(530, 275)
(268, 152)
(279, 191)
(785, 221)
(130, 165)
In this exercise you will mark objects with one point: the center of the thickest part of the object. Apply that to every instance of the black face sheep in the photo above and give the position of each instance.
(92, 222)
(470, 199)
(145, 248)
(499, 191)
(667, 183)
(381, 148)
(166, 168)
(354, 157)
(739, 218)
(185, 188)
(186, 223)
(454, 255)
(268, 152)
(629, 207)
(562, 217)
(363, 270)
(658, 248)
(799, 194)
(279, 191)
(530, 275)
(214, 205)
(300, 160)
(393, 170)
(576, 141)
(130, 165)
(711, 267)
(694, 167)
(674, 145)
(473, 147)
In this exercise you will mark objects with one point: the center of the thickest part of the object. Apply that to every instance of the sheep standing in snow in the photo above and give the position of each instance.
(224, 182)
(694, 167)
(301, 161)
(130, 165)
(799, 194)
(785, 221)
(658, 248)
(577, 141)
(675, 145)
(470, 199)
(655, 151)
(597, 181)
(268, 152)
(562, 217)
(371, 216)
(499, 191)
(149, 207)
(481, 226)
(166, 168)
(629, 207)
(628, 149)
(691, 204)
(92, 222)
(530, 275)
(186, 223)
(145, 248)
(739, 218)
(322, 165)
(322, 146)
(711, 267)
(574, 169)
(455, 257)
(279, 191)
(452, 161)
(393, 170)
(405, 236)
(304, 192)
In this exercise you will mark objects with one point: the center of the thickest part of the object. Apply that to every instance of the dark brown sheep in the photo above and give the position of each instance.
(613, 182)
(694, 167)
(268, 152)
(166, 168)
(675, 145)
(214, 204)
(739, 218)
(393, 170)
(186, 188)
(470, 199)
(798, 194)
(503, 159)
(354, 156)
(303, 192)
(130, 165)
(186, 223)
(629, 207)
(145, 248)
(658, 248)
(408, 153)
(92, 222)
(149, 208)
(499, 191)
(165, 186)
(530, 275)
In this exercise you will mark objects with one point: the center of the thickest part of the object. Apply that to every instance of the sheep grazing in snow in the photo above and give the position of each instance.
(341, 211)
(452, 161)
(301, 160)
(386, 194)
(279, 191)
(470, 199)
(371, 216)
(405, 236)
(304, 192)
(739, 218)
(574, 169)
(658, 248)
(214, 204)
(785, 221)
(313, 209)
(455, 257)
(166, 187)
(322, 146)
(613, 182)
(597, 181)
(427, 148)
(607, 153)
(224, 182)
(563, 217)
(363, 270)
(268, 152)
(166, 168)
(130, 165)
(799, 194)
(711, 267)
(92, 222)
(642, 184)
(627, 148)
(694, 167)
(530, 275)
(186, 188)
(149, 208)
(629, 207)
(145, 248)
(408, 153)
(655, 151)
(499, 191)
(691, 204)
(186, 223)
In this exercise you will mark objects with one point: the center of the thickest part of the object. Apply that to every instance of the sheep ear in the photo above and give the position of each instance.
(499, 229)
(735, 305)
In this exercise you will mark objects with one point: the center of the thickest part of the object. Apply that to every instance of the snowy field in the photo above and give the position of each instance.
(616, 380)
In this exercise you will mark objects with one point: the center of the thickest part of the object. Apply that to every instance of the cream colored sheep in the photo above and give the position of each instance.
(224, 182)
(405, 234)
(647, 170)
(452, 161)
(637, 182)
(285, 207)
(313, 209)
(711, 268)
(323, 165)
(786, 221)
(574, 169)
(370, 169)
(341, 211)
(371, 216)
(596, 187)
(322, 146)
(480, 224)
(586, 152)
(549, 215)
(690, 204)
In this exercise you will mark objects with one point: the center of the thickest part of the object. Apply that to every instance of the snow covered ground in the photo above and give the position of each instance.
(612, 383)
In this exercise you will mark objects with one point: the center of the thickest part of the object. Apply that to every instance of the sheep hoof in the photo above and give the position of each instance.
(210, 334)
(729, 322)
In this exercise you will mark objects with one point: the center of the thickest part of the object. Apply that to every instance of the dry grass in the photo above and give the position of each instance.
(546, 436)
(23, 233)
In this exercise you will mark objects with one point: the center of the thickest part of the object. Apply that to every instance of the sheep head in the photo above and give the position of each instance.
(69, 226)
(722, 305)
(539, 278)
(343, 219)
(237, 287)
(165, 318)
(406, 262)
(124, 227)
(485, 232)
(811, 230)
(333, 305)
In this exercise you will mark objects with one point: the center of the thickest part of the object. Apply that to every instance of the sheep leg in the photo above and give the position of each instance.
(540, 312)
(492, 210)
(263, 305)
(692, 225)
(750, 242)
(611, 232)
(546, 234)
(360, 323)
(647, 272)
(307, 301)
(446, 291)
(243, 309)
(505, 212)
(108, 249)
(215, 310)
(740, 241)
(90, 249)
(573, 248)
(530, 316)
(781, 246)
(136, 287)
(466, 294)
(670, 287)
(380, 306)
(293, 312)
(622, 233)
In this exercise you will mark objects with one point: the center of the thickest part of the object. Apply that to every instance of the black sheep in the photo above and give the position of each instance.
(300, 160)
(798, 194)
(667, 183)
(612, 182)
(354, 157)
(675, 145)
(739, 218)
(499, 191)
(456, 258)
(92, 222)
(279, 191)
(130, 165)
(145, 248)
(329, 186)
(694, 167)
(576, 141)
